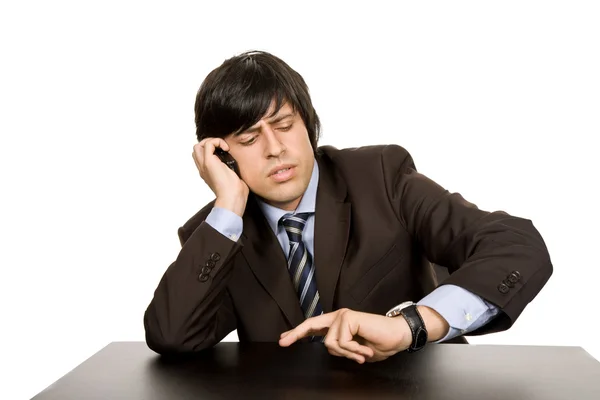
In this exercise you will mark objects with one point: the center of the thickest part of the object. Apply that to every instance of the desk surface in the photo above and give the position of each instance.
(129, 370)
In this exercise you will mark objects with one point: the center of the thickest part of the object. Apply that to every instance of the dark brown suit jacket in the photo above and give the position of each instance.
(379, 226)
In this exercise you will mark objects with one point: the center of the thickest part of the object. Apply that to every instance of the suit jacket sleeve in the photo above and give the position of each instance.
(480, 249)
(190, 312)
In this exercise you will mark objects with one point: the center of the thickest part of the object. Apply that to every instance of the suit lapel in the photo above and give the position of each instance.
(268, 263)
(332, 227)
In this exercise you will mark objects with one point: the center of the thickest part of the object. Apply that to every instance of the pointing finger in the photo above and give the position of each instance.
(312, 326)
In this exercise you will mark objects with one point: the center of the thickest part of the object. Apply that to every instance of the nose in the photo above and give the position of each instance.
(274, 147)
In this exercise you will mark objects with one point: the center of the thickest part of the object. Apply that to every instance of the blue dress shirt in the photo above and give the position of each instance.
(463, 310)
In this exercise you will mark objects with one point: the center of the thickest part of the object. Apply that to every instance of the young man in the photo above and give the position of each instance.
(316, 243)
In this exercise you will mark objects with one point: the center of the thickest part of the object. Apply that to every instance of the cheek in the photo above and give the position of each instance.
(298, 144)
(251, 170)
(303, 145)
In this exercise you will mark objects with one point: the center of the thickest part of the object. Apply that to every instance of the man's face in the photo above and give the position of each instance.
(269, 146)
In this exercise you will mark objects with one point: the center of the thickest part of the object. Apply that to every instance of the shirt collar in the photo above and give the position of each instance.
(307, 203)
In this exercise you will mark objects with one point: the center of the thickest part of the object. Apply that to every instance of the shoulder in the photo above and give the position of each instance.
(367, 159)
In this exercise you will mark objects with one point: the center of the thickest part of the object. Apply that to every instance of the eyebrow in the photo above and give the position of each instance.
(273, 120)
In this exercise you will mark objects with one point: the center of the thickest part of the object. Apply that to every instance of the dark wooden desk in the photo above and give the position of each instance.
(129, 370)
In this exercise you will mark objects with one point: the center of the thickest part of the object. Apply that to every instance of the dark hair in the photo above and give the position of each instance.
(238, 93)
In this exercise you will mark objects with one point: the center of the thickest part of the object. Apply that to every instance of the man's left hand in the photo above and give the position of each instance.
(364, 337)
(355, 335)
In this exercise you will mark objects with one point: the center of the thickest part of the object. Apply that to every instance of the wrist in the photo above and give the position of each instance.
(236, 205)
(437, 327)
(417, 336)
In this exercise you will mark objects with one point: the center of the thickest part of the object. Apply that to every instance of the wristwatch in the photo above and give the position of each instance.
(409, 311)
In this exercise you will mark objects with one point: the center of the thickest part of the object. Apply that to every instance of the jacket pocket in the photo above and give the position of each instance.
(367, 282)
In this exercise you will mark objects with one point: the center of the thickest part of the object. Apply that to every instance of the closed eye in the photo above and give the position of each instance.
(248, 142)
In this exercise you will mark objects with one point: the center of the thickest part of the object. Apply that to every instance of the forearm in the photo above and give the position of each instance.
(437, 327)
(481, 249)
(190, 309)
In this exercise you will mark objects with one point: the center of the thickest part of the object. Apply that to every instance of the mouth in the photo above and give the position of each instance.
(283, 173)
(280, 169)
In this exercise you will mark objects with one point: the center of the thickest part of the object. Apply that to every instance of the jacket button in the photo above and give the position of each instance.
(514, 277)
(210, 263)
(206, 270)
(508, 283)
(517, 274)
(215, 256)
(203, 278)
(502, 288)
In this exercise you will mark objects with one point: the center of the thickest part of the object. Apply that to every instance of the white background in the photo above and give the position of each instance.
(498, 101)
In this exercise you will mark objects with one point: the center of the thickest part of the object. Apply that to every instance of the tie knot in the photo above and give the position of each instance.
(294, 225)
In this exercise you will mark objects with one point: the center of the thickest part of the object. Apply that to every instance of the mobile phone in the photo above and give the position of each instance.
(228, 160)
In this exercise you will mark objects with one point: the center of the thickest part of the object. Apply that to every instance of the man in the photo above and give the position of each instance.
(315, 243)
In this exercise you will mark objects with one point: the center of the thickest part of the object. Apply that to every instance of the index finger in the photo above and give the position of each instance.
(210, 145)
(312, 326)
(207, 146)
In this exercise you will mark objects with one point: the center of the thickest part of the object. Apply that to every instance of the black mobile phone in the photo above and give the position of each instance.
(228, 160)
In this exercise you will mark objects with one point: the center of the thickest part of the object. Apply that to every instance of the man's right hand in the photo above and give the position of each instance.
(231, 191)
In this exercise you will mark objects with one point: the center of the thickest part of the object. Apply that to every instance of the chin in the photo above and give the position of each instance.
(281, 199)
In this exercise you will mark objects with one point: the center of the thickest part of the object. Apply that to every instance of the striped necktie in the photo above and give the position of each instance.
(300, 265)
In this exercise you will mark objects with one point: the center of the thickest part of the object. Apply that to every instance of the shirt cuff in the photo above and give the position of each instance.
(463, 310)
(226, 222)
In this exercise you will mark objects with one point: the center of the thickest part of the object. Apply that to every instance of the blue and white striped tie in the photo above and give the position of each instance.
(301, 267)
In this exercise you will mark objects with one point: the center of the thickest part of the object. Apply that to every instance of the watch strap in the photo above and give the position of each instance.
(417, 328)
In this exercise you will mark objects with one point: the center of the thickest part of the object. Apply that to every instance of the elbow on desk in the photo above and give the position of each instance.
(156, 340)
(164, 342)
(165, 347)
(173, 345)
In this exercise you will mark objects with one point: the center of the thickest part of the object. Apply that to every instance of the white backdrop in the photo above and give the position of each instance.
(496, 100)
